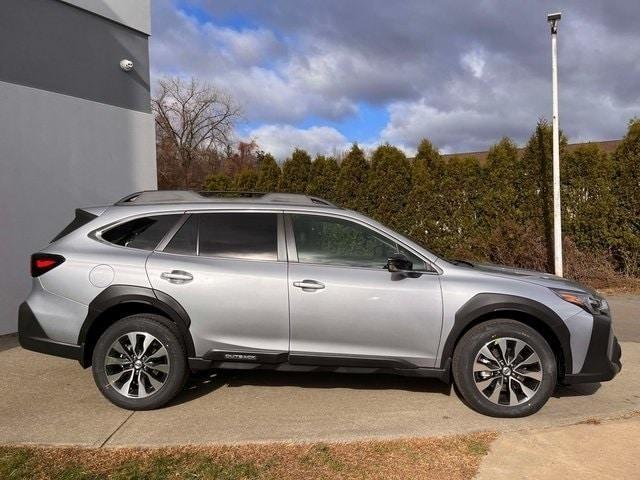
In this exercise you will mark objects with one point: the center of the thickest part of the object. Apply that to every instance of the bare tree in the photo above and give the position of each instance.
(194, 122)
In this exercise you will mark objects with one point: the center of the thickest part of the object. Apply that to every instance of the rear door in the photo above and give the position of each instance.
(347, 309)
(228, 270)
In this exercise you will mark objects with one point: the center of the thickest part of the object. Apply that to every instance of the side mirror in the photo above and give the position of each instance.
(399, 263)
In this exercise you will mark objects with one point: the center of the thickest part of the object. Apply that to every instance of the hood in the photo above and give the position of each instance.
(539, 278)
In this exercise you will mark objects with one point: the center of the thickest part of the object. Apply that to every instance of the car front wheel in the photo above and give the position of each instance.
(504, 368)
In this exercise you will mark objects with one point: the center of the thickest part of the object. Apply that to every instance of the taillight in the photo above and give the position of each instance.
(43, 262)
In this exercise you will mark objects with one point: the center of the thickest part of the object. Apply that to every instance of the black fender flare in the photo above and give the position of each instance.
(489, 304)
(116, 295)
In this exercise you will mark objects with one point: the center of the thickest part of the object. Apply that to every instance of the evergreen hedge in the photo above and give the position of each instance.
(499, 212)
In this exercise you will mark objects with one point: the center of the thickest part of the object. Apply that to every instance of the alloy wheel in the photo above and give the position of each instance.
(507, 371)
(137, 365)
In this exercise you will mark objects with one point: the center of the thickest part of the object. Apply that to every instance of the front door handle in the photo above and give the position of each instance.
(309, 285)
(176, 276)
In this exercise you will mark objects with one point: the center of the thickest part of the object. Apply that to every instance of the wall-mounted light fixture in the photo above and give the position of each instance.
(126, 65)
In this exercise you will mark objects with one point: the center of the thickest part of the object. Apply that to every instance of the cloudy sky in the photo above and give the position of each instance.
(323, 74)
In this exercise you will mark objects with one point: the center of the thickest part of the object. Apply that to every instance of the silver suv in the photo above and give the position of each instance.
(163, 282)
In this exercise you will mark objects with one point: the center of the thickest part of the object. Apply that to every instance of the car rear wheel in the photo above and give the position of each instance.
(504, 368)
(139, 362)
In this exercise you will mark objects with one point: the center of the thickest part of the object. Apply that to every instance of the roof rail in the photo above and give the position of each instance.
(189, 196)
(230, 193)
(160, 196)
(294, 198)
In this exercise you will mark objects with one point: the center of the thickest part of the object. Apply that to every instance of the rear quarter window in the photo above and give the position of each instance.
(143, 233)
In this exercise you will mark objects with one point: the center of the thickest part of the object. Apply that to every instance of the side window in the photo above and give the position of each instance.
(247, 236)
(144, 233)
(334, 241)
(184, 242)
(418, 264)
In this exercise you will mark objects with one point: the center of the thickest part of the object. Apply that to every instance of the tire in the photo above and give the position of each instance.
(516, 388)
(158, 376)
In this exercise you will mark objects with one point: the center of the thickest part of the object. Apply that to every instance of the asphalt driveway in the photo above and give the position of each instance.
(49, 400)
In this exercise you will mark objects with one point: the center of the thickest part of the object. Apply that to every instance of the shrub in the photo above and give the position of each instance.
(498, 212)
(295, 172)
(323, 177)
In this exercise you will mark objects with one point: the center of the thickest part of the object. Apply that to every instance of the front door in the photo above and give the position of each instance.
(347, 309)
(228, 270)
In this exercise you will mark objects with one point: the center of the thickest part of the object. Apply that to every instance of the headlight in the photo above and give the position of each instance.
(590, 303)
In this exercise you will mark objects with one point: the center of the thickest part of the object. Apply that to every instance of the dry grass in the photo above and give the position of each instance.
(600, 421)
(456, 457)
(590, 421)
(621, 286)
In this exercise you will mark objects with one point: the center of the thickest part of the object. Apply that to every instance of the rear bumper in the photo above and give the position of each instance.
(32, 337)
(603, 360)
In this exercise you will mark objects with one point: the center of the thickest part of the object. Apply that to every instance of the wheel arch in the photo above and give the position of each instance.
(119, 301)
(488, 306)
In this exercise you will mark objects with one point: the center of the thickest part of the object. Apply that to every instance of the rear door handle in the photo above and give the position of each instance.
(176, 276)
(309, 285)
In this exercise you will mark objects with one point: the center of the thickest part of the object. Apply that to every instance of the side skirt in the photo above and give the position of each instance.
(441, 374)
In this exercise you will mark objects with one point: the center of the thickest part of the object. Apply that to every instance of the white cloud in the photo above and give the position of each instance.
(281, 140)
(246, 47)
(455, 130)
(468, 79)
(473, 60)
(337, 72)
(256, 68)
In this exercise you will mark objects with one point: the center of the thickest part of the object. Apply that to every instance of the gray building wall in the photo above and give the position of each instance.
(75, 130)
(131, 13)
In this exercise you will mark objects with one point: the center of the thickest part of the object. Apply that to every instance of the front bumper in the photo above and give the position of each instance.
(603, 360)
(32, 337)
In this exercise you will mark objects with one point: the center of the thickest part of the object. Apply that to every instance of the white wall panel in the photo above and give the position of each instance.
(58, 153)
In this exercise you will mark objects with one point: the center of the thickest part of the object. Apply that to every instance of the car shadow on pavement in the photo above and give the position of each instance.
(203, 383)
(578, 390)
(199, 384)
(328, 380)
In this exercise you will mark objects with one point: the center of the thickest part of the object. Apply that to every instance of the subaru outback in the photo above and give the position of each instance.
(166, 282)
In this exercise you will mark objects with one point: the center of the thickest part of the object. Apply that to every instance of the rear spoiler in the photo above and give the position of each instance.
(83, 216)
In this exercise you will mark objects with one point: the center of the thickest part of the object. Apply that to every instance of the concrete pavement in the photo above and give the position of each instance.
(604, 451)
(48, 400)
(626, 316)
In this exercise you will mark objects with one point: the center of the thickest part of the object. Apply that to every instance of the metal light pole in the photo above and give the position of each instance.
(553, 20)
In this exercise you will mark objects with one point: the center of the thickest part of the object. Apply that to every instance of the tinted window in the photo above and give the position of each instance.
(251, 236)
(418, 263)
(144, 233)
(334, 241)
(185, 240)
